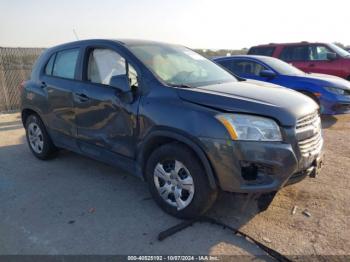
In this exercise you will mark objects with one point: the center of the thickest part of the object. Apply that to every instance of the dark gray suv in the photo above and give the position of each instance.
(171, 117)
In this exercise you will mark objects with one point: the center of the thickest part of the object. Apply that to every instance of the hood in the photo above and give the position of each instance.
(325, 80)
(262, 83)
(282, 104)
(333, 81)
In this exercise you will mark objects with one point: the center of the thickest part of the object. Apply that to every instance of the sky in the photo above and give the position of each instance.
(194, 23)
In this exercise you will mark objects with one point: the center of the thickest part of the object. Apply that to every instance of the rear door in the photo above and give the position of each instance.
(104, 120)
(59, 81)
(297, 55)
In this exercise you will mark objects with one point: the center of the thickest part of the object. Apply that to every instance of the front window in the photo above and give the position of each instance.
(180, 66)
(104, 63)
(318, 53)
(243, 67)
(281, 67)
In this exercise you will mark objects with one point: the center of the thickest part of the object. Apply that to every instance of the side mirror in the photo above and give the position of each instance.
(120, 82)
(267, 73)
(331, 56)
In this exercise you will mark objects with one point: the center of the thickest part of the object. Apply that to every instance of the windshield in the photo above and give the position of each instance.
(281, 67)
(180, 66)
(340, 51)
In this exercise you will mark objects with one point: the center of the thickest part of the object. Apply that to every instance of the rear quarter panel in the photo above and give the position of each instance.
(34, 97)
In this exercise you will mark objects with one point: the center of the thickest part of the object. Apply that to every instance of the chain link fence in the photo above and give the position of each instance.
(15, 67)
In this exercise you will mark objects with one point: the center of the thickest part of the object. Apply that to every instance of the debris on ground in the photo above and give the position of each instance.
(267, 240)
(92, 210)
(71, 221)
(307, 213)
(294, 210)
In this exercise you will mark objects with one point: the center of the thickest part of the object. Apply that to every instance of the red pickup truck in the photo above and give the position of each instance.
(310, 57)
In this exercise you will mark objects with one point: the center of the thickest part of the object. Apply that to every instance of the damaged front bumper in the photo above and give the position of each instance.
(260, 167)
(311, 171)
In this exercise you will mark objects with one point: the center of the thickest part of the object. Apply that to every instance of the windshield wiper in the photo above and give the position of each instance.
(181, 85)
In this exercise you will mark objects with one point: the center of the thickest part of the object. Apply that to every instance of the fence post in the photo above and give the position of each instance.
(4, 100)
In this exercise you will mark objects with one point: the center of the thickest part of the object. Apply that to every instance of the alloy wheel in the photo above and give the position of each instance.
(174, 183)
(35, 137)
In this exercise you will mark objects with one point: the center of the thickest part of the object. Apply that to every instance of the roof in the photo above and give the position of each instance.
(241, 56)
(294, 43)
(127, 42)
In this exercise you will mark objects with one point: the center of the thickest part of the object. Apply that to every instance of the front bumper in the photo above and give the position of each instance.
(258, 167)
(311, 171)
(335, 107)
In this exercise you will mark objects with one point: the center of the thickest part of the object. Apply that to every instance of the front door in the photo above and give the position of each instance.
(319, 63)
(103, 118)
(296, 55)
(245, 68)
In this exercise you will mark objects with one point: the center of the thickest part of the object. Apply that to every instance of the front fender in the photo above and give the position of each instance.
(162, 133)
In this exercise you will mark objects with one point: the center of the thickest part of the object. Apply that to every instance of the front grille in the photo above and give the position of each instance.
(308, 120)
(309, 134)
(311, 146)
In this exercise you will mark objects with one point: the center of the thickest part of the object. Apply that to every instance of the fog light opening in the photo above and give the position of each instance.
(249, 171)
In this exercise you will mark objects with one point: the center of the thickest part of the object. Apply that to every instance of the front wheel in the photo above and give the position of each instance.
(178, 182)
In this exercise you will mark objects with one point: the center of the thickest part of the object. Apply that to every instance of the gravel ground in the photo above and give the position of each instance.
(73, 205)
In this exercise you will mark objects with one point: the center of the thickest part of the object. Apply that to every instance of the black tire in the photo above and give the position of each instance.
(48, 149)
(203, 197)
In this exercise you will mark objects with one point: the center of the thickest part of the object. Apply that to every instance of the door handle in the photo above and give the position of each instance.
(43, 85)
(82, 97)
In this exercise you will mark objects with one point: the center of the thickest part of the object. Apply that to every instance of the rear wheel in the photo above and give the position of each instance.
(178, 182)
(38, 139)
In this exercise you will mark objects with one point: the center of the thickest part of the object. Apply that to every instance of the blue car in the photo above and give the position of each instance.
(330, 92)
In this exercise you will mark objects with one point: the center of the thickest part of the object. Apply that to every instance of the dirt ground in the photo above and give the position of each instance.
(73, 205)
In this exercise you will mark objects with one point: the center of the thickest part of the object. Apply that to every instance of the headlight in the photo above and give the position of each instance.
(335, 90)
(249, 127)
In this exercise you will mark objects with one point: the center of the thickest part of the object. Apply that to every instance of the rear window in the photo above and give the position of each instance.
(49, 65)
(265, 51)
(295, 53)
(63, 64)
